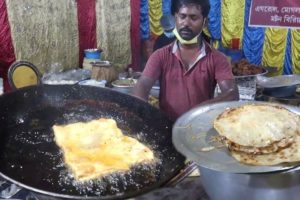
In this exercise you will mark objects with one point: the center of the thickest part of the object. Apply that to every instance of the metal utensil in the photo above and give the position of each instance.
(193, 136)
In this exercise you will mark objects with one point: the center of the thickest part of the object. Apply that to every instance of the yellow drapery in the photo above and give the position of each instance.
(155, 13)
(232, 21)
(295, 42)
(274, 49)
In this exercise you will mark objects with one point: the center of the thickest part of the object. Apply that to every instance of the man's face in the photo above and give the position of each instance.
(189, 21)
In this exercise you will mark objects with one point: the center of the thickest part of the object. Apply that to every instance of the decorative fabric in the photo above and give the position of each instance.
(214, 19)
(274, 49)
(232, 23)
(155, 13)
(295, 48)
(86, 26)
(113, 31)
(253, 39)
(7, 55)
(287, 69)
(145, 23)
(136, 46)
(166, 7)
(45, 33)
(53, 34)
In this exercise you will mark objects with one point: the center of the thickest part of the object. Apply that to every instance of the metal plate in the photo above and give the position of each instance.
(194, 131)
(124, 83)
(278, 81)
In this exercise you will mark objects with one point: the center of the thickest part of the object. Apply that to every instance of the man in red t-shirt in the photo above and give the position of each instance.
(188, 69)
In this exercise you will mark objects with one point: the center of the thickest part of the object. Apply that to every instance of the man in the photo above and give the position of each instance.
(189, 68)
(167, 22)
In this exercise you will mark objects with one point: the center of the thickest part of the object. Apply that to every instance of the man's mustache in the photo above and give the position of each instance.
(186, 30)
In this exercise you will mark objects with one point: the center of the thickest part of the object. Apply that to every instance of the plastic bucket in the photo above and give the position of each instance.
(92, 53)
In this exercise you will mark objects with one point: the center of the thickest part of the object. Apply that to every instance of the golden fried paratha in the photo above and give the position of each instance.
(96, 148)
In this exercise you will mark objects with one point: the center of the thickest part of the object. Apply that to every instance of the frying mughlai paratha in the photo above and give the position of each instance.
(98, 147)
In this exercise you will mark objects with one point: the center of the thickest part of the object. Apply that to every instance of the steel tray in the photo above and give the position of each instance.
(193, 133)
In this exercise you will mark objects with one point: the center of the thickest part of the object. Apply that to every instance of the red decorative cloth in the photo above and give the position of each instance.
(135, 35)
(7, 54)
(86, 26)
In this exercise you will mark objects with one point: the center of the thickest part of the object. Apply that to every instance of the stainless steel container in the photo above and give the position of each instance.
(282, 185)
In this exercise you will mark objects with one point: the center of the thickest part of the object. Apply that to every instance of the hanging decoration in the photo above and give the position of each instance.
(288, 59)
(253, 39)
(144, 18)
(232, 23)
(155, 13)
(295, 49)
(274, 48)
(166, 7)
(214, 19)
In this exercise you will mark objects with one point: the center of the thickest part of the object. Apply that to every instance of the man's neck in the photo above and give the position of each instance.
(197, 45)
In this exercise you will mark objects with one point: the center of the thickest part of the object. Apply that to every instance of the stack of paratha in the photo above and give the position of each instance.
(260, 134)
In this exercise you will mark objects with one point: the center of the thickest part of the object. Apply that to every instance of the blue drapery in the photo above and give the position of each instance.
(253, 40)
(166, 7)
(287, 69)
(144, 19)
(214, 19)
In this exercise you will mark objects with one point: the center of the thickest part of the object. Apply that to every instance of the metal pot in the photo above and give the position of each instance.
(263, 186)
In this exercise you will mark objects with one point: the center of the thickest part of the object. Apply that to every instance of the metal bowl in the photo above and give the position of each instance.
(234, 186)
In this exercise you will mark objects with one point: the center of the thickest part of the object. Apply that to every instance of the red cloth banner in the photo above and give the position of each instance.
(135, 35)
(86, 26)
(274, 13)
(7, 54)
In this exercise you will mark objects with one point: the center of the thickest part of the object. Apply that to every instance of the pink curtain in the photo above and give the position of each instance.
(7, 55)
(86, 26)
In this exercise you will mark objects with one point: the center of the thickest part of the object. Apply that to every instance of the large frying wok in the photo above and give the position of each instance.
(30, 158)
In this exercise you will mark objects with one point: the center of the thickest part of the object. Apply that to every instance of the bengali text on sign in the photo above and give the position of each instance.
(274, 13)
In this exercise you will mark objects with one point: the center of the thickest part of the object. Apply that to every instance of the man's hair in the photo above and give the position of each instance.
(177, 4)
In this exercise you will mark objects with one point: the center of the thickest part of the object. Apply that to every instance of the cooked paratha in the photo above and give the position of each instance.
(96, 148)
(275, 146)
(256, 125)
(284, 155)
(260, 134)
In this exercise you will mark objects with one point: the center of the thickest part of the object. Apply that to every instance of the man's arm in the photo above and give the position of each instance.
(143, 87)
(229, 92)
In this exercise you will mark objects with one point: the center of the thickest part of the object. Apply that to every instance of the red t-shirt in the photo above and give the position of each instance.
(181, 89)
